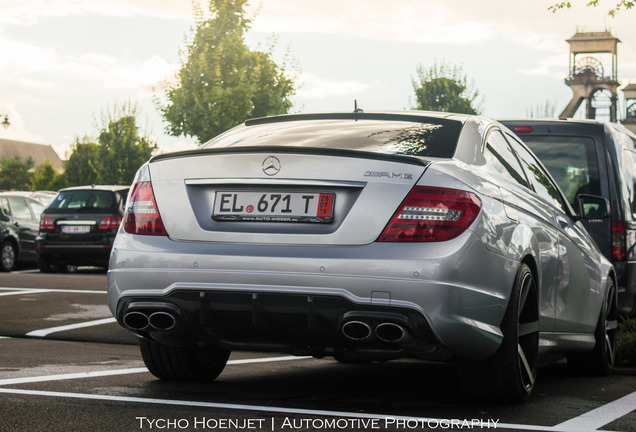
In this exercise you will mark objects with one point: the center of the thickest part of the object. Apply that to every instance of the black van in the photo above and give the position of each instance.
(591, 159)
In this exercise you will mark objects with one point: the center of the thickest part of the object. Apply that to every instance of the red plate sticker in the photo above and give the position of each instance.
(325, 205)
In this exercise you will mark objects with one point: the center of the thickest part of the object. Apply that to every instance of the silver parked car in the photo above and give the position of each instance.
(362, 236)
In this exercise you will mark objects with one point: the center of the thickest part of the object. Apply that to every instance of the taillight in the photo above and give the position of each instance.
(110, 223)
(46, 224)
(619, 243)
(142, 216)
(431, 214)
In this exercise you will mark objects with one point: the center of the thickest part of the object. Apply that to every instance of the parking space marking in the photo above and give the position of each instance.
(16, 291)
(603, 415)
(48, 331)
(24, 292)
(270, 409)
(61, 377)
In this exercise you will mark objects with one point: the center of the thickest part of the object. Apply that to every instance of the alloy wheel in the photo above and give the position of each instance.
(8, 256)
(528, 332)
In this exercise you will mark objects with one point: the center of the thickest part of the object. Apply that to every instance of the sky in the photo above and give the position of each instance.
(64, 64)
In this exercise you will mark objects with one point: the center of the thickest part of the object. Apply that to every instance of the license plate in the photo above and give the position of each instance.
(273, 207)
(75, 229)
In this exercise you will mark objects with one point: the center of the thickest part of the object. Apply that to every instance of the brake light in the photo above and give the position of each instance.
(46, 224)
(110, 223)
(523, 129)
(619, 242)
(431, 214)
(142, 216)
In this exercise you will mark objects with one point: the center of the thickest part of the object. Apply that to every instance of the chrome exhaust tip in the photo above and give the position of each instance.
(390, 332)
(356, 330)
(162, 321)
(136, 320)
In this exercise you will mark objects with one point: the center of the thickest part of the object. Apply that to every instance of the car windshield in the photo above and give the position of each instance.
(83, 199)
(572, 161)
(429, 137)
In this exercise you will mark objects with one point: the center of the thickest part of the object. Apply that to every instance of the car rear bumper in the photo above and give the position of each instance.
(76, 254)
(447, 298)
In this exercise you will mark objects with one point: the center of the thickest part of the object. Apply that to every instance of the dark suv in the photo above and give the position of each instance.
(79, 226)
(19, 218)
(592, 159)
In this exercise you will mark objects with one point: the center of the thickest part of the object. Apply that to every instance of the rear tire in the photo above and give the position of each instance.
(509, 375)
(8, 256)
(202, 363)
(45, 266)
(600, 361)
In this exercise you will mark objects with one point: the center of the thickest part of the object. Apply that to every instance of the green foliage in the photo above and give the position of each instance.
(222, 82)
(81, 167)
(444, 88)
(622, 4)
(626, 343)
(46, 178)
(14, 173)
(121, 151)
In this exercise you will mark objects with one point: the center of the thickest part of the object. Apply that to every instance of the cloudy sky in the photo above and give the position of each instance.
(64, 62)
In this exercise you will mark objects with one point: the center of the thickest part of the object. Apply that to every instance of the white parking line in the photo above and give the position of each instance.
(79, 375)
(272, 410)
(603, 415)
(16, 291)
(48, 331)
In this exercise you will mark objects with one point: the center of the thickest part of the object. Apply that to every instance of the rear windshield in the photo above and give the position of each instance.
(572, 161)
(428, 138)
(84, 199)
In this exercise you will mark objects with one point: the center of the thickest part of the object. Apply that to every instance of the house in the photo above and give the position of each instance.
(39, 152)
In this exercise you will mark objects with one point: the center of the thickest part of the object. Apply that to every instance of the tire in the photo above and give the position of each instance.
(600, 361)
(509, 375)
(201, 363)
(8, 256)
(45, 266)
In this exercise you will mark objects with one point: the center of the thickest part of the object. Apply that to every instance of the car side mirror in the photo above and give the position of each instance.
(593, 207)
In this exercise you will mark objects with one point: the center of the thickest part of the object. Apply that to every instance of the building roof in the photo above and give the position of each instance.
(39, 152)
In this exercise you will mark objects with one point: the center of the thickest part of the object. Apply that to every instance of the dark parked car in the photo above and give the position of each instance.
(362, 236)
(19, 218)
(79, 226)
(594, 158)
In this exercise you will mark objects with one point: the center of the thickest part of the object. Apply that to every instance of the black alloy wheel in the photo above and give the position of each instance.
(600, 361)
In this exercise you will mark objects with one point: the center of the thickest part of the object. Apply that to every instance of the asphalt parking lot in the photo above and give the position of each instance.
(65, 365)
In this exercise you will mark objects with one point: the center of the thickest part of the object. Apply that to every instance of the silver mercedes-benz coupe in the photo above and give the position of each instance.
(363, 236)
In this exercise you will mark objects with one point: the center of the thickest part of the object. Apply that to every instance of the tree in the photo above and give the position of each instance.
(14, 173)
(626, 4)
(121, 150)
(81, 167)
(444, 88)
(222, 82)
(46, 178)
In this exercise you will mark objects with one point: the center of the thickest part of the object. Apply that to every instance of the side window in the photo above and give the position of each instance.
(543, 186)
(629, 172)
(19, 208)
(37, 208)
(501, 158)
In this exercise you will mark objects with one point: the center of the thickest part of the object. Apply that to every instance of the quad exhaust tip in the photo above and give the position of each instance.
(356, 330)
(390, 332)
(158, 320)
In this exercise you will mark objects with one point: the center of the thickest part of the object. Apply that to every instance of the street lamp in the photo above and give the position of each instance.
(5, 123)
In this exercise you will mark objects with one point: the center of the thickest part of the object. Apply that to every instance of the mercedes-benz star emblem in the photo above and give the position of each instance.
(271, 165)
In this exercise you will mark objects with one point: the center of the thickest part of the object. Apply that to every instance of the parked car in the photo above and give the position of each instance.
(19, 218)
(363, 236)
(588, 157)
(79, 227)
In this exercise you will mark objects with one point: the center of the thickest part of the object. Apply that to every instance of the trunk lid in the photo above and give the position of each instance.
(281, 195)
